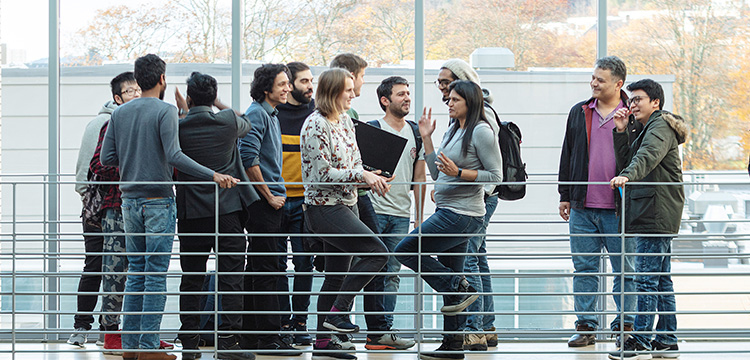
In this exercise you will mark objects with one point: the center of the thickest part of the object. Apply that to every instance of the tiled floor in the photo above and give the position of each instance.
(696, 350)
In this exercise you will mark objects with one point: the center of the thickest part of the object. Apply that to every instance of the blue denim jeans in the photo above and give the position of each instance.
(442, 222)
(302, 263)
(475, 265)
(599, 221)
(389, 224)
(156, 218)
(647, 283)
(114, 264)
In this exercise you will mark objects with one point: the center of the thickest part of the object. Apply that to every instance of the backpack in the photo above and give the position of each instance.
(414, 128)
(514, 169)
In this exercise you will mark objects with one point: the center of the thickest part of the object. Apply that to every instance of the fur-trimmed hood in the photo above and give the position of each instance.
(678, 124)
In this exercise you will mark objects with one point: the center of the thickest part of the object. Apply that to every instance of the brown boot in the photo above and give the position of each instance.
(129, 356)
(156, 356)
(616, 330)
(583, 337)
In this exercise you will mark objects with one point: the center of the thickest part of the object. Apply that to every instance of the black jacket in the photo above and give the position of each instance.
(574, 159)
(211, 140)
(653, 157)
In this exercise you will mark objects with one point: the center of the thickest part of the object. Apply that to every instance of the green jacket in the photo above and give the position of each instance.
(653, 157)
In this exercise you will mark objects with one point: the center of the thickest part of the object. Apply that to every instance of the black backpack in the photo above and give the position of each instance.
(514, 169)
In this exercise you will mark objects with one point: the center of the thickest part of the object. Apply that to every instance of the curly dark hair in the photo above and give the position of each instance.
(202, 89)
(148, 71)
(263, 80)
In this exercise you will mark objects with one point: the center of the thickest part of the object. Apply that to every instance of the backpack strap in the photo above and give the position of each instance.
(497, 117)
(374, 123)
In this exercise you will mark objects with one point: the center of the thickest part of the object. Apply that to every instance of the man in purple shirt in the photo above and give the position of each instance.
(588, 156)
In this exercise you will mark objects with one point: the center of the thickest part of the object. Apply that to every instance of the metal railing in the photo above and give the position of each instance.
(527, 248)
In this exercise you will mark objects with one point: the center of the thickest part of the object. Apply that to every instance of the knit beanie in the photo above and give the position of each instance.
(462, 70)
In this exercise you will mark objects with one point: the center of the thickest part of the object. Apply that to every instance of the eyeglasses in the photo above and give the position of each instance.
(132, 91)
(635, 100)
(442, 83)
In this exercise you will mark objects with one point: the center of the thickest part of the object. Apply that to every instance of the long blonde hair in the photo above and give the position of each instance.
(331, 83)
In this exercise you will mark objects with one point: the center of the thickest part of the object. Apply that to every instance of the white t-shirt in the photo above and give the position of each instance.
(397, 201)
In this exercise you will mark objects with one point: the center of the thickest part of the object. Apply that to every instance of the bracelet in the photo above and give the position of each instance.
(460, 171)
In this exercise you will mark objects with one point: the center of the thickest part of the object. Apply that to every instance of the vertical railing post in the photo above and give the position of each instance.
(53, 169)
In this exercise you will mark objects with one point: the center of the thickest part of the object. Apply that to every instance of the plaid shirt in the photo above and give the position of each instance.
(111, 192)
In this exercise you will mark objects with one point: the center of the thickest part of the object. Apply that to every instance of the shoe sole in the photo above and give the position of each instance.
(76, 344)
(330, 356)
(636, 357)
(475, 347)
(112, 352)
(386, 347)
(452, 310)
(429, 357)
(658, 355)
(330, 326)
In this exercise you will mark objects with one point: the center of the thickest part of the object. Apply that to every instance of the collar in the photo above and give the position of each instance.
(269, 109)
(199, 109)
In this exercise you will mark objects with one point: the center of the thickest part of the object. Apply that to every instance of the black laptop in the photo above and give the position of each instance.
(380, 149)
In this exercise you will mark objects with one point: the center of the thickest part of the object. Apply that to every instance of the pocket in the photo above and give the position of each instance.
(159, 218)
(642, 206)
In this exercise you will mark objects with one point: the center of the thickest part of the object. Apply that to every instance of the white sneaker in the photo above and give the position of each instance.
(388, 342)
(78, 337)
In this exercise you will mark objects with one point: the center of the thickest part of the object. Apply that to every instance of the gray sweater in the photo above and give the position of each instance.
(142, 140)
(483, 156)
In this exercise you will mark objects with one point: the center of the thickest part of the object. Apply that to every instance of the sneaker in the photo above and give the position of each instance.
(632, 350)
(190, 346)
(340, 323)
(100, 340)
(452, 343)
(388, 342)
(584, 337)
(276, 347)
(112, 344)
(156, 356)
(301, 337)
(78, 337)
(345, 340)
(664, 351)
(475, 342)
(332, 350)
(286, 335)
(491, 337)
(165, 345)
(466, 295)
(230, 343)
(616, 330)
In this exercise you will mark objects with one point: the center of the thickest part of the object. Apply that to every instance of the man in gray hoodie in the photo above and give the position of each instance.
(124, 88)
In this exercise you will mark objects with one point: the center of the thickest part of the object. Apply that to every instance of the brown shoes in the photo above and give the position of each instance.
(583, 337)
(154, 356)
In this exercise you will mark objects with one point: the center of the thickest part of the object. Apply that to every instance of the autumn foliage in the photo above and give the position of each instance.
(704, 45)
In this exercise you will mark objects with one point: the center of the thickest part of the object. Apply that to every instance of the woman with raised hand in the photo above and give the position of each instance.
(468, 153)
(330, 155)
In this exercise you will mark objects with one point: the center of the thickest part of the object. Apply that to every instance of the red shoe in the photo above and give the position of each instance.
(112, 344)
(165, 345)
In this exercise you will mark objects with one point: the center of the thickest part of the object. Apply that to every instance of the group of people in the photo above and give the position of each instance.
(291, 165)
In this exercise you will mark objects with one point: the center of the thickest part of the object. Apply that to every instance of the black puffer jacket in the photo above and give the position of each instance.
(574, 160)
(653, 157)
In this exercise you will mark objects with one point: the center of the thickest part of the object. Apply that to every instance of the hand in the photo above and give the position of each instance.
(432, 195)
(426, 123)
(376, 182)
(180, 100)
(564, 210)
(225, 181)
(417, 223)
(618, 181)
(621, 119)
(277, 202)
(447, 166)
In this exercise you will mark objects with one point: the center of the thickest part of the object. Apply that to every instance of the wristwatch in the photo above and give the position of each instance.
(459, 173)
(181, 112)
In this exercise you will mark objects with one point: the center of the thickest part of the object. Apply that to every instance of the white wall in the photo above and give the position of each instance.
(537, 101)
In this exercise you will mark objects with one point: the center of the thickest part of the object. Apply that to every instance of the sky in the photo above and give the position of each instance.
(24, 23)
